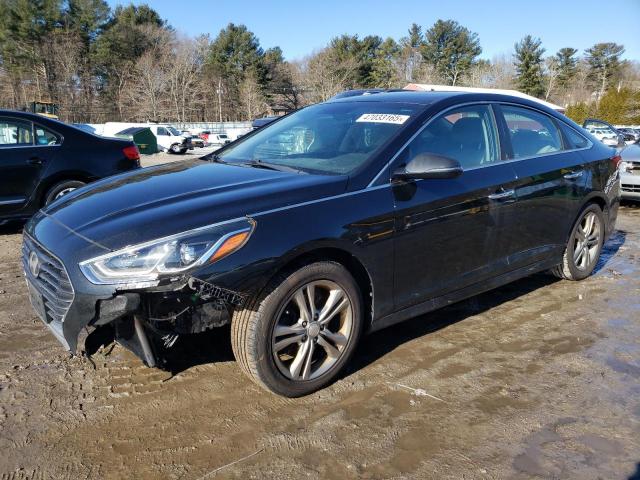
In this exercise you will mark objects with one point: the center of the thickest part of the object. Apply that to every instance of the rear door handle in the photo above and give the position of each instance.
(573, 175)
(502, 195)
(35, 161)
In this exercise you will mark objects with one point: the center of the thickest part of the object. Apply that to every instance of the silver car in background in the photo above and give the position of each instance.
(630, 172)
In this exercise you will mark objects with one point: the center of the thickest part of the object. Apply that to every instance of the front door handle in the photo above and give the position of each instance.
(35, 161)
(573, 175)
(502, 195)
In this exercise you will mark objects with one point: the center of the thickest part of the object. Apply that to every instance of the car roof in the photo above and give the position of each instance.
(429, 98)
(398, 96)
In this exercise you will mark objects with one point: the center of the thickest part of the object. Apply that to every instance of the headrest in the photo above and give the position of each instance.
(468, 130)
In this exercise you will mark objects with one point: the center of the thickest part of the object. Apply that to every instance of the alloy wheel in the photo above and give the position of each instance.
(587, 241)
(313, 330)
(63, 192)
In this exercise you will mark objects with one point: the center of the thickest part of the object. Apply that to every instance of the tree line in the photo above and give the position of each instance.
(129, 64)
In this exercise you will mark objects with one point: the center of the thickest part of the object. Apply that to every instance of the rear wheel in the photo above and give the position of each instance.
(60, 189)
(297, 336)
(585, 244)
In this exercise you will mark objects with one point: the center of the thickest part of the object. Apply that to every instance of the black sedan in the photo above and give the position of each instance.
(339, 219)
(42, 159)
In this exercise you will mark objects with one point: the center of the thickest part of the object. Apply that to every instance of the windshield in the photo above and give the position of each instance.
(332, 138)
(222, 136)
(174, 131)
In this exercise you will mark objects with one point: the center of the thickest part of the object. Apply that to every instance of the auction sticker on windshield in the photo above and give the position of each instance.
(383, 118)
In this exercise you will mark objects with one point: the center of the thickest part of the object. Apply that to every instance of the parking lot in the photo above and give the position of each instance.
(540, 378)
(165, 157)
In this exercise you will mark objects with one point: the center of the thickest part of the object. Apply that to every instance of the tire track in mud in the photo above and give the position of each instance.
(507, 364)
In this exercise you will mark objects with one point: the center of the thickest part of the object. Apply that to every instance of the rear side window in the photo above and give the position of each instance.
(532, 133)
(46, 137)
(162, 131)
(466, 134)
(15, 133)
(574, 138)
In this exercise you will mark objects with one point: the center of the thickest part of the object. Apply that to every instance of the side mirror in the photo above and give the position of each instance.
(429, 165)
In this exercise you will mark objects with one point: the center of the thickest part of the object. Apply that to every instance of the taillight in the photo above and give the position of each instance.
(616, 159)
(131, 152)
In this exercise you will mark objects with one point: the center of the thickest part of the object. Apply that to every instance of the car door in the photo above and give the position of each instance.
(21, 163)
(446, 229)
(550, 185)
(164, 137)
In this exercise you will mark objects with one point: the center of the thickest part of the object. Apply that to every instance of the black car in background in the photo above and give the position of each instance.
(336, 220)
(42, 159)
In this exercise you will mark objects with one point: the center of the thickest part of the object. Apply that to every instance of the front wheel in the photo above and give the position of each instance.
(176, 148)
(585, 244)
(296, 337)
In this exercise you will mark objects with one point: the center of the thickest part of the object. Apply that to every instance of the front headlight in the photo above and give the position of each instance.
(148, 262)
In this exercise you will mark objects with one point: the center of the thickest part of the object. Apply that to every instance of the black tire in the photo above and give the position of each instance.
(175, 148)
(61, 188)
(569, 269)
(252, 328)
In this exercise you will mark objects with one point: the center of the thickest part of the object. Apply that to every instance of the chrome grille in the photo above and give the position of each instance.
(630, 188)
(52, 280)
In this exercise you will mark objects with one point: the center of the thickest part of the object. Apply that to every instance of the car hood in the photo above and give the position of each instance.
(158, 201)
(631, 153)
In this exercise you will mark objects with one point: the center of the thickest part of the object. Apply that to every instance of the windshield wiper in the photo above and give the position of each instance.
(212, 157)
(272, 166)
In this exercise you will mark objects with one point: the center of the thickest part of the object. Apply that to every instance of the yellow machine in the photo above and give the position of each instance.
(46, 109)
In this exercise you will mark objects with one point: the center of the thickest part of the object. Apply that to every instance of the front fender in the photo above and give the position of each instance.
(360, 224)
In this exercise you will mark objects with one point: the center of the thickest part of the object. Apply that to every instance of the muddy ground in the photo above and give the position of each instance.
(540, 378)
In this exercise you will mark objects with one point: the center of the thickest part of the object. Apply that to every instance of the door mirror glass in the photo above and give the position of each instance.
(429, 165)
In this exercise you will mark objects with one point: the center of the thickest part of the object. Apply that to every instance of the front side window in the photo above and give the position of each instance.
(174, 131)
(15, 133)
(532, 133)
(330, 138)
(466, 134)
(46, 137)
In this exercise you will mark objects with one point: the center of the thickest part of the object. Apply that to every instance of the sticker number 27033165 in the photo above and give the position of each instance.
(383, 118)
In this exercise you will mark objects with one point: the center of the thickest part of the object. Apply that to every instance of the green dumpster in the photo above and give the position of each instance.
(142, 136)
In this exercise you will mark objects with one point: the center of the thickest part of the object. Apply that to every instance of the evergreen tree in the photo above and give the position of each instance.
(604, 64)
(528, 62)
(384, 72)
(451, 49)
(567, 66)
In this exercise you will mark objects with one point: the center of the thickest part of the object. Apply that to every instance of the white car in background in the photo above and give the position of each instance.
(604, 132)
(218, 139)
(630, 173)
(171, 139)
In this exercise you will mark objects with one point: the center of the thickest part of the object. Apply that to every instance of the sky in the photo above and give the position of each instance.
(301, 26)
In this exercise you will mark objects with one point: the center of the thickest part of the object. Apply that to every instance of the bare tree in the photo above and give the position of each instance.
(183, 74)
(324, 74)
(551, 74)
(251, 97)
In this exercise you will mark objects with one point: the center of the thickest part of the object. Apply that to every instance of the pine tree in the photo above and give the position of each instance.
(566, 64)
(451, 49)
(529, 61)
(604, 64)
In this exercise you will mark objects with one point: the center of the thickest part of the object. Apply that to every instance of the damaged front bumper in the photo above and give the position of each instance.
(145, 321)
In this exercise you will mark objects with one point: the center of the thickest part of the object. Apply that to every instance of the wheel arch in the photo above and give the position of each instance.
(345, 258)
(49, 182)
